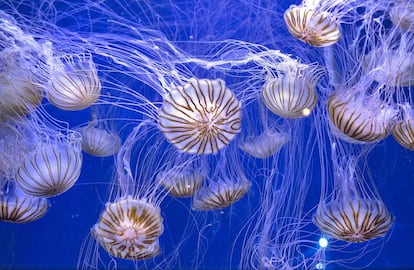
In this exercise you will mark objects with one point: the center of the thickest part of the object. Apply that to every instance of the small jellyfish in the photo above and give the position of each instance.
(403, 130)
(51, 168)
(401, 15)
(265, 145)
(18, 207)
(182, 183)
(355, 220)
(201, 116)
(129, 229)
(220, 193)
(226, 185)
(99, 141)
(314, 27)
(356, 118)
(74, 83)
(292, 94)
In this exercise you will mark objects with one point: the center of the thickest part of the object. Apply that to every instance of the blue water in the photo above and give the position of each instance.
(191, 239)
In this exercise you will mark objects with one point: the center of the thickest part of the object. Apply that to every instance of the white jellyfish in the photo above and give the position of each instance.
(98, 140)
(74, 83)
(313, 26)
(357, 118)
(51, 168)
(292, 92)
(201, 116)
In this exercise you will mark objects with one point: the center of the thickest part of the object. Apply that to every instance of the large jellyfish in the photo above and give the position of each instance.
(201, 116)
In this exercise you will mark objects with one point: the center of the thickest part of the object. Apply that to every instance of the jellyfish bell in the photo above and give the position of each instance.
(18, 207)
(201, 116)
(391, 67)
(354, 211)
(21, 87)
(183, 182)
(313, 26)
(359, 118)
(74, 83)
(264, 145)
(53, 166)
(130, 225)
(226, 184)
(220, 193)
(98, 140)
(19, 92)
(292, 92)
(403, 130)
(401, 15)
(354, 221)
(15, 144)
(129, 229)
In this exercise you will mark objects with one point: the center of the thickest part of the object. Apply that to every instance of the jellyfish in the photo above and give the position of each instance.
(355, 220)
(224, 187)
(403, 130)
(99, 141)
(183, 182)
(265, 145)
(400, 15)
(130, 225)
(15, 144)
(18, 207)
(129, 228)
(54, 164)
(292, 93)
(20, 60)
(352, 213)
(263, 139)
(391, 67)
(200, 117)
(313, 26)
(357, 118)
(74, 83)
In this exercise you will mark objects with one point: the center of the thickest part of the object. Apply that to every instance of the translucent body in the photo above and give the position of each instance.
(18, 207)
(390, 67)
(355, 220)
(293, 93)
(74, 83)
(200, 117)
(219, 194)
(182, 184)
(99, 142)
(401, 15)
(314, 27)
(129, 229)
(358, 119)
(265, 145)
(19, 94)
(49, 170)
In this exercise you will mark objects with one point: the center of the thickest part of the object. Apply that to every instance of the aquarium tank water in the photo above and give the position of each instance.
(200, 134)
